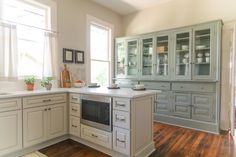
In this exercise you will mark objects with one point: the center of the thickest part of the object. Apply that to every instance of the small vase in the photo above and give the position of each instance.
(49, 86)
(30, 87)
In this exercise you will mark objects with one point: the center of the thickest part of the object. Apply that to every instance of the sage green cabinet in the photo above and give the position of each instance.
(162, 103)
(181, 105)
(203, 107)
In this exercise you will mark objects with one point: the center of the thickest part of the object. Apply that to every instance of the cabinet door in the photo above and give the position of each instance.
(181, 105)
(10, 132)
(34, 126)
(204, 57)
(121, 140)
(162, 57)
(147, 57)
(57, 125)
(162, 103)
(121, 61)
(74, 126)
(203, 107)
(133, 58)
(182, 55)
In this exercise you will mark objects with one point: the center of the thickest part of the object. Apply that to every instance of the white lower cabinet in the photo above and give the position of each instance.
(43, 123)
(75, 126)
(97, 136)
(121, 140)
(10, 131)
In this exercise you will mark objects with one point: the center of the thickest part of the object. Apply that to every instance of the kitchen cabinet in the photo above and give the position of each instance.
(46, 122)
(182, 54)
(186, 64)
(121, 61)
(10, 131)
(163, 55)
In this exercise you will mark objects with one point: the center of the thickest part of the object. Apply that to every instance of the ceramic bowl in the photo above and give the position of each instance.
(139, 86)
(199, 60)
(207, 59)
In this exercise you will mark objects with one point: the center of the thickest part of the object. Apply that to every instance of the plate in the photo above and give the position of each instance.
(113, 87)
(94, 86)
(139, 89)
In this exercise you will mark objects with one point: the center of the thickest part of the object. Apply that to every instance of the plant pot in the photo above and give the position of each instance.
(49, 86)
(30, 87)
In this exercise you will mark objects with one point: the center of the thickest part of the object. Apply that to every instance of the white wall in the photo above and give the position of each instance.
(177, 13)
(72, 28)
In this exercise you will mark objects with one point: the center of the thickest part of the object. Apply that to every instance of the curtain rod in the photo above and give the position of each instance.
(16, 23)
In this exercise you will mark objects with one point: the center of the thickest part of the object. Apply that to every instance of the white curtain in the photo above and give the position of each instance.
(50, 64)
(8, 51)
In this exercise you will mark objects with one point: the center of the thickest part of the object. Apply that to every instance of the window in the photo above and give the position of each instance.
(100, 53)
(30, 19)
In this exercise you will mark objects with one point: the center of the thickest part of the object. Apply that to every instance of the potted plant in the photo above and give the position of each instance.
(29, 81)
(47, 83)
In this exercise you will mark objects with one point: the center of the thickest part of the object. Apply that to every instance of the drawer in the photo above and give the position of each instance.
(195, 87)
(121, 104)
(157, 85)
(75, 110)
(75, 126)
(10, 104)
(75, 98)
(121, 140)
(121, 119)
(126, 84)
(44, 100)
(97, 136)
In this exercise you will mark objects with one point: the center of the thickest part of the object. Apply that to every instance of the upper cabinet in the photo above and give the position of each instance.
(182, 55)
(188, 53)
(162, 56)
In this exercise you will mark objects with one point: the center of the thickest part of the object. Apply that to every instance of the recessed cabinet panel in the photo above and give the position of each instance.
(181, 105)
(182, 53)
(203, 107)
(75, 126)
(121, 140)
(10, 131)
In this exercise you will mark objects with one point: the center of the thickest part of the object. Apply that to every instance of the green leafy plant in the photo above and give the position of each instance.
(29, 80)
(46, 81)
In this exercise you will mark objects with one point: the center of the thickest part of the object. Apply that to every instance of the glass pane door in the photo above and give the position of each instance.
(120, 65)
(202, 52)
(147, 52)
(182, 55)
(162, 56)
(132, 49)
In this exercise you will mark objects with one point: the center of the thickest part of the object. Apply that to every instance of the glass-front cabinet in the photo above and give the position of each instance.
(120, 59)
(162, 57)
(182, 55)
(202, 53)
(132, 58)
(147, 57)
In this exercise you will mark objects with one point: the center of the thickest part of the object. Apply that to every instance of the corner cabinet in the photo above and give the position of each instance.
(185, 63)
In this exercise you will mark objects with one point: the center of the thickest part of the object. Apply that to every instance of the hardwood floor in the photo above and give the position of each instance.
(170, 141)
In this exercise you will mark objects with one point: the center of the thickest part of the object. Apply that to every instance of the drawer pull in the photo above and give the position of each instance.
(120, 118)
(94, 135)
(48, 100)
(74, 98)
(202, 88)
(74, 126)
(181, 87)
(122, 141)
(162, 85)
(119, 104)
(45, 109)
(49, 109)
(74, 110)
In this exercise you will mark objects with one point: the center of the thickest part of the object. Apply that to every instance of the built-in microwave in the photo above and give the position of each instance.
(96, 111)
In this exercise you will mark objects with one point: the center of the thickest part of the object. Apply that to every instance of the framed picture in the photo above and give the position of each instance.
(79, 56)
(68, 55)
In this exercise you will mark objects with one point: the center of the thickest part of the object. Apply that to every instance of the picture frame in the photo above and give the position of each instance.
(68, 55)
(79, 57)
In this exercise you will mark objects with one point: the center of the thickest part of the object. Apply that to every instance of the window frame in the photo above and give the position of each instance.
(91, 20)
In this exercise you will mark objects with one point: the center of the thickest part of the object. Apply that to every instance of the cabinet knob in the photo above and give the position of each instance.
(49, 109)
(45, 109)
(74, 110)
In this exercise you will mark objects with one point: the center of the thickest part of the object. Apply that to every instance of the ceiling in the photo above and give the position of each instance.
(125, 7)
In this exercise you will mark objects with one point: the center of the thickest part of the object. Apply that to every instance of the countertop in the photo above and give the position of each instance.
(123, 92)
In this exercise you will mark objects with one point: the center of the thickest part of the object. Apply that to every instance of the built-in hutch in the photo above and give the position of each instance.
(185, 63)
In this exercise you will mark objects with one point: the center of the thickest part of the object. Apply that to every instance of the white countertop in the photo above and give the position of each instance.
(123, 92)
